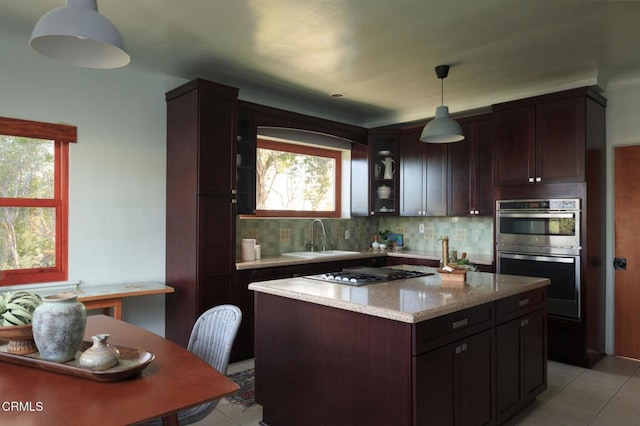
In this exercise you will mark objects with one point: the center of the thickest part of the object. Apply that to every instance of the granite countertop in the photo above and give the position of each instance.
(411, 300)
(273, 261)
(435, 255)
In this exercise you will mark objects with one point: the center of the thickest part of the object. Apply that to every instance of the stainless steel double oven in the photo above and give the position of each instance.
(541, 238)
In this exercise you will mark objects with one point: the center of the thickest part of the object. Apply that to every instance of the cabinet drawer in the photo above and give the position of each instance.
(443, 330)
(520, 304)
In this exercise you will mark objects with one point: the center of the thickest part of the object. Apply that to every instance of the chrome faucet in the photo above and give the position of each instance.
(312, 245)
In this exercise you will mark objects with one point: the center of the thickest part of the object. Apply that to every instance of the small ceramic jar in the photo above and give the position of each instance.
(101, 355)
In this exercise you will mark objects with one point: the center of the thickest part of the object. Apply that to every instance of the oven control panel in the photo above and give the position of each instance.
(544, 205)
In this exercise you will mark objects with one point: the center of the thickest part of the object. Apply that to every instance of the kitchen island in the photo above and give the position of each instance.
(404, 352)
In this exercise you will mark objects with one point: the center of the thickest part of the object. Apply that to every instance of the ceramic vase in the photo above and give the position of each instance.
(101, 355)
(58, 327)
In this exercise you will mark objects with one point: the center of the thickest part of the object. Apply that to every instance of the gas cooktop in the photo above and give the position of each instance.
(364, 276)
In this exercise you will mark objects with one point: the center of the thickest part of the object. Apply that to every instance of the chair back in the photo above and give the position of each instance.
(213, 335)
(211, 340)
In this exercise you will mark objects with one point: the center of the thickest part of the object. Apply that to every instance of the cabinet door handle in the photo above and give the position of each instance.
(461, 348)
(460, 323)
(523, 302)
(524, 322)
(530, 180)
(538, 179)
(476, 212)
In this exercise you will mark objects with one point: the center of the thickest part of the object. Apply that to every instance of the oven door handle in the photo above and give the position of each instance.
(554, 259)
(535, 215)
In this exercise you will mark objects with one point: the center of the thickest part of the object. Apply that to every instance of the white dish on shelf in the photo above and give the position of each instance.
(384, 152)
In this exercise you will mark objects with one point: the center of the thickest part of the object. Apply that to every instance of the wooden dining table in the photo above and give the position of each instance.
(175, 380)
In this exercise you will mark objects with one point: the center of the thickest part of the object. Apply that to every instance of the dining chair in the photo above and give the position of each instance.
(211, 340)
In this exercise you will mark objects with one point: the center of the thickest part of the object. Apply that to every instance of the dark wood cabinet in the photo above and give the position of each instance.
(521, 337)
(454, 383)
(470, 169)
(569, 133)
(384, 172)
(446, 370)
(201, 209)
(423, 176)
(454, 366)
(246, 146)
(543, 140)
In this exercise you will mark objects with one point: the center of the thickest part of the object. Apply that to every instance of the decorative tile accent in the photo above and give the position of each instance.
(460, 235)
(285, 235)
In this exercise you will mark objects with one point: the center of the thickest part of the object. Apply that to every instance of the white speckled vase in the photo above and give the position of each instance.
(58, 327)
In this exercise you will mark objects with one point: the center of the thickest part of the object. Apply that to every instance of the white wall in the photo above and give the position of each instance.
(117, 168)
(623, 128)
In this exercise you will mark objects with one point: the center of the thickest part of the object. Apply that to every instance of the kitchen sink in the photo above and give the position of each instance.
(315, 254)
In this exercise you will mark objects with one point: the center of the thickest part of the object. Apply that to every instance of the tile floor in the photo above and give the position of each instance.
(228, 414)
(606, 395)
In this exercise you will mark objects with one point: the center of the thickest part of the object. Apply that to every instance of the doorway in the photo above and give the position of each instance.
(627, 281)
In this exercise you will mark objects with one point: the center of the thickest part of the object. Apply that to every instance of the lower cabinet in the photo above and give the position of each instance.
(455, 384)
(522, 372)
(476, 366)
(521, 336)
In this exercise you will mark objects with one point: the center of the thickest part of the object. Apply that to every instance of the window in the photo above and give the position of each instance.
(297, 180)
(34, 160)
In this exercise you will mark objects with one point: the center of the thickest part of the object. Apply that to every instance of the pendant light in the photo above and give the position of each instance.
(77, 34)
(442, 129)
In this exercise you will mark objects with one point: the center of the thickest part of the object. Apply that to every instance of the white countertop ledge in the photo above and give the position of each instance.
(411, 300)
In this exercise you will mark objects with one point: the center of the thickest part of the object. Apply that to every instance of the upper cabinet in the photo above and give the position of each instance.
(543, 139)
(469, 169)
(384, 152)
(423, 176)
(246, 144)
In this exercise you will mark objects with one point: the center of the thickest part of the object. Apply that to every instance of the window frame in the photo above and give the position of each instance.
(305, 150)
(62, 135)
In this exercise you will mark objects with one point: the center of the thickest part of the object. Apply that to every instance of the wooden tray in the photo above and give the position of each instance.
(132, 362)
(455, 279)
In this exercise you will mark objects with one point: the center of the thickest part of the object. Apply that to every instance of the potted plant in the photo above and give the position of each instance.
(16, 313)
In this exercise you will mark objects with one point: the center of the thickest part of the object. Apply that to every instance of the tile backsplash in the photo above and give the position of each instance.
(469, 234)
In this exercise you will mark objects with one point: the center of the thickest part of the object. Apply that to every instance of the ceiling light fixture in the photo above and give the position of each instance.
(77, 34)
(442, 129)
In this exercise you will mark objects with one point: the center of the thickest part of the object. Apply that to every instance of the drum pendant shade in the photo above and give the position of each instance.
(77, 34)
(443, 128)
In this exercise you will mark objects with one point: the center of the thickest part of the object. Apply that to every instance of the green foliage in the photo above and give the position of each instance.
(27, 234)
(291, 181)
(17, 308)
(384, 235)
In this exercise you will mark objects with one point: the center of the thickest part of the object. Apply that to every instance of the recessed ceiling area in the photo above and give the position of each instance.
(380, 54)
